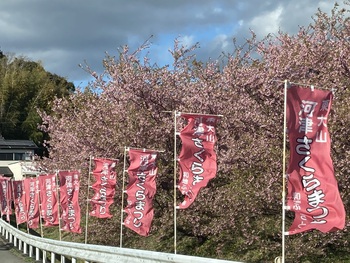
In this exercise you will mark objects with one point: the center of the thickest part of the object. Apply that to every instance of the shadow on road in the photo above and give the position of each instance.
(5, 246)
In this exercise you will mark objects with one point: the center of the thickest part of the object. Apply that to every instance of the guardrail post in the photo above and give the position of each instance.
(37, 253)
(7, 235)
(15, 241)
(82, 252)
(30, 251)
(11, 238)
(25, 248)
(44, 256)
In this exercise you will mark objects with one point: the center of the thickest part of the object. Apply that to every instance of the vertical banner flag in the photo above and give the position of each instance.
(197, 157)
(104, 187)
(6, 196)
(312, 187)
(141, 190)
(31, 189)
(69, 194)
(19, 202)
(48, 198)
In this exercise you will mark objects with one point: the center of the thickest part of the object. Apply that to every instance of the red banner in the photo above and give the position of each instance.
(197, 158)
(312, 188)
(48, 198)
(69, 194)
(141, 190)
(104, 187)
(31, 189)
(19, 202)
(5, 196)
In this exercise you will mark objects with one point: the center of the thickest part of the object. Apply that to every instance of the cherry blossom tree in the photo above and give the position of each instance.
(238, 216)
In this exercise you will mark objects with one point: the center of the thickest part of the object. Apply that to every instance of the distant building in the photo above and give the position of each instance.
(16, 158)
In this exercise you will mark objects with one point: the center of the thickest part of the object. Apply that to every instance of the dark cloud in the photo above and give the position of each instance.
(64, 33)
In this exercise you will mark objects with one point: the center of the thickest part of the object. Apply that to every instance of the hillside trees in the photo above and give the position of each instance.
(25, 87)
(238, 216)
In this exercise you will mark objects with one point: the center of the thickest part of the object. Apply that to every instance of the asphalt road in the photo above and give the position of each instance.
(8, 254)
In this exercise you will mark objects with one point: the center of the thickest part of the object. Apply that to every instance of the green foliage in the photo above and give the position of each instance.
(25, 88)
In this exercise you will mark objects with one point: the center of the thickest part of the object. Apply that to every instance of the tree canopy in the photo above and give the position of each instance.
(25, 88)
(238, 216)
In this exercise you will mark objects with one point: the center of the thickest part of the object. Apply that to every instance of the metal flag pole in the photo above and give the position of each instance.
(87, 201)
(8, 201)
(126, 149)
(175, 179)
(145, 149)
(15, 197)
(14, 200)
(40, 209)
(200, 114)
(286, 84)
(37, 187)
(59, 205)
(24, 192)
(1, 214)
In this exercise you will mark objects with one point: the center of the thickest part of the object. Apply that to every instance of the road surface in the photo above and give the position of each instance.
(8, 254)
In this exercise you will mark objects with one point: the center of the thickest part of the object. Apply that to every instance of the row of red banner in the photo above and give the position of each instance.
(197, 166)
(312, 188)
(28, 193)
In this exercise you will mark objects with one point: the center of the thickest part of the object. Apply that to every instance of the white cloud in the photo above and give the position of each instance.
(221, 42)
(63, 33)
(187, 41)
(268, 22)
(217, 10)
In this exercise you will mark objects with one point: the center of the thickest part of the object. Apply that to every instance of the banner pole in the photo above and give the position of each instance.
(24, 192)
(1, 214)
(123, 189)
(40, 209)
(202, 114)
(175, 179)
(87, 201)
(8, 201)
(144, 149)
(59, 205)
(284, 169)
(14, 200)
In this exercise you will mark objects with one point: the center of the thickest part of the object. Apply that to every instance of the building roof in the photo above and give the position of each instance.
(4, 170)
(17, 144)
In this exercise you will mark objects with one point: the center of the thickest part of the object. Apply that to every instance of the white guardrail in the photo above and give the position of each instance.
(69, 251)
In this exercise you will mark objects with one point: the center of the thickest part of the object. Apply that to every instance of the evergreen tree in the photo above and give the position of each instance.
(25, 88)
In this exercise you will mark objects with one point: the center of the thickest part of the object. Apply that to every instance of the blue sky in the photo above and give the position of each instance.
(62, 34)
